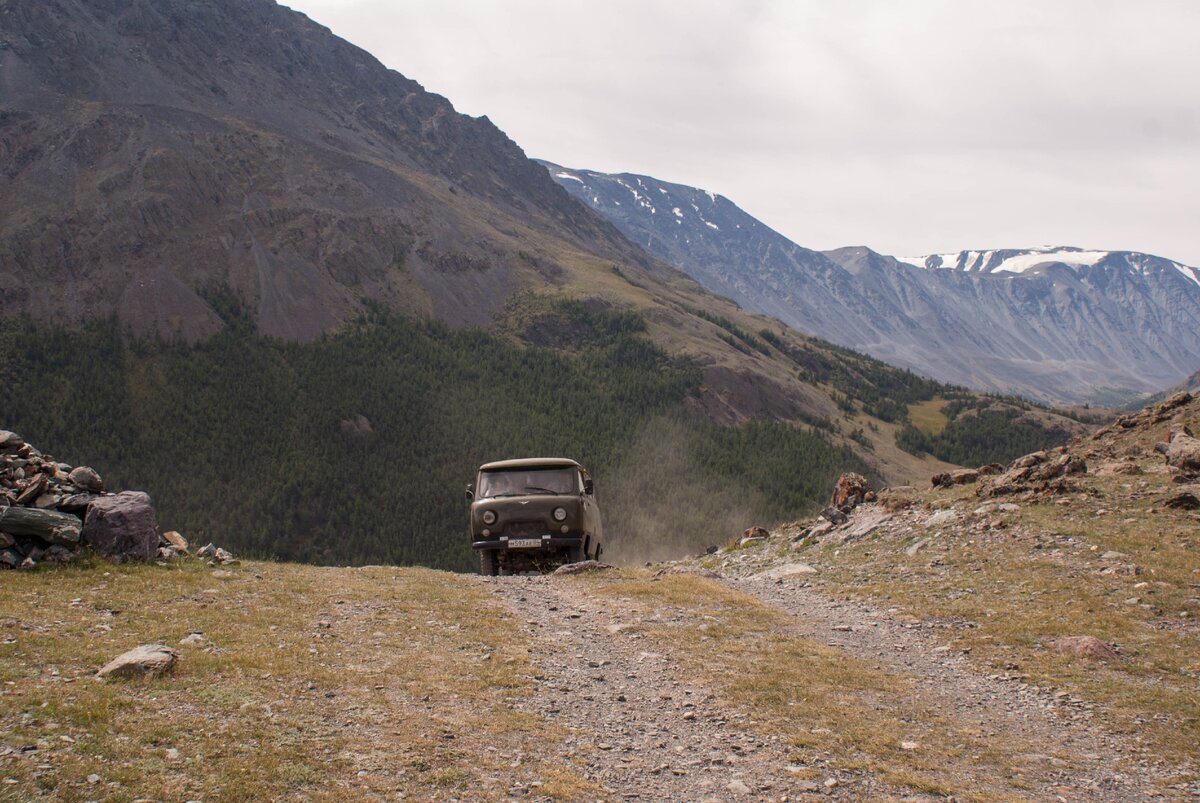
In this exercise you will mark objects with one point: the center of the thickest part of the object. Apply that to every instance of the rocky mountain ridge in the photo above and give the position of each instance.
(154, 150)
(1062, 325)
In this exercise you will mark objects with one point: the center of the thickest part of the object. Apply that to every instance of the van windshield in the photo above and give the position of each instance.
(525, 481)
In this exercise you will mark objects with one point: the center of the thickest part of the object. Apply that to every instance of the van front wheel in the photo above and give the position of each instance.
(487, 563)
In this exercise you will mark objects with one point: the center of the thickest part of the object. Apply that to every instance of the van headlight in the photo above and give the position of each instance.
(489, 517)
(560, 513)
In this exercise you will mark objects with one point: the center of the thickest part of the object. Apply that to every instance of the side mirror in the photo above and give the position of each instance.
(589, 487)
(470, 494)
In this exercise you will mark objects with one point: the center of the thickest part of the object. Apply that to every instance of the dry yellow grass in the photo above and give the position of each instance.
(928, 417)
(1041, 576)
(316, 684)
(837, 711)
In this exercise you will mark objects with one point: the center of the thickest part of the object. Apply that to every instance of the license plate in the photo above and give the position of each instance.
(524, 543)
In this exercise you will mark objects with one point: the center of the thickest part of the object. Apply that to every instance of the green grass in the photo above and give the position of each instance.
(393, 697)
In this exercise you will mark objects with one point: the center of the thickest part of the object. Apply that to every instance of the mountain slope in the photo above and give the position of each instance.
(153, 148)
(298, 299)
(1057, 324)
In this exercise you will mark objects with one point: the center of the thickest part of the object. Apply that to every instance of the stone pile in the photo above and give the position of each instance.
(850, 491)
(49, 511)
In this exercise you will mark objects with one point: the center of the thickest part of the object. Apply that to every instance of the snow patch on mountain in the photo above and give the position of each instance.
(1023, 260)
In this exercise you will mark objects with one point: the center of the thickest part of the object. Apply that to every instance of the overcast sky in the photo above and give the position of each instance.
(911, 126)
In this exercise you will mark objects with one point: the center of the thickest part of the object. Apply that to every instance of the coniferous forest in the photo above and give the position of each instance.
(356, 448)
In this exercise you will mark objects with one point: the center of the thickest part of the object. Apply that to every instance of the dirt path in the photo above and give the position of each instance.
(638, 730)
(1064, 755)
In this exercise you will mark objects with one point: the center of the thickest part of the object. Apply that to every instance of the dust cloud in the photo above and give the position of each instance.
(660, 504)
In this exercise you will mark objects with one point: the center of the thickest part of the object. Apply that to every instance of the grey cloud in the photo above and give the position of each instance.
(909, 126)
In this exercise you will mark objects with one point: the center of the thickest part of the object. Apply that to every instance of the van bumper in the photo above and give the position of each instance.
(551, 542)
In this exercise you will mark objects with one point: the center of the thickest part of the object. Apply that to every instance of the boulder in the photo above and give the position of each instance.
(10, 440)
(122, 527)
(1088, 648)
(52, 527)
(86, 478)
(834, 515)
(176, 541)
(148, 660)
(962, 476)
(1182, 451)
(850, 491)
(1184, 500)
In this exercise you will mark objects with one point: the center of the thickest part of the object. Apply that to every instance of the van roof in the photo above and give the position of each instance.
(530, 462)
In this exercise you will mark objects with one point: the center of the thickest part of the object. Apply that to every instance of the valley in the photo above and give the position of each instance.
(1063, 325)
(297, 299)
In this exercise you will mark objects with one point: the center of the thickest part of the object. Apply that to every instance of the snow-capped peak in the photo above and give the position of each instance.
(1022, 260)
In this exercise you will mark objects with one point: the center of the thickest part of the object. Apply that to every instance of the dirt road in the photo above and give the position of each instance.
(649, 721)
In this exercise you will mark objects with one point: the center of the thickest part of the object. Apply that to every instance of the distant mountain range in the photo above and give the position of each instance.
(1061, 324)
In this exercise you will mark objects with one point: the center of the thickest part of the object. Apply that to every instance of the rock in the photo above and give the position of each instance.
(148, 660)
(86, 478)
(122, 527)
(1029, 460)
(757, 533)
(962, 476)
(864, 524)
(193, 640)
(909, 746)
(6, 541)
(10, 440)
(223, 556)
(175, 541)
(1114, 469)
(941, 517)
(819, 529)
(583, 567)
(52, 527)
(1112, 554)
(1086, 647)
(58, 555)
(737, 787)
(33, 489)
(834, 516)
(850, 491)
(916, 547)
(10, 558)
(75, 503)
(1185, 500)
(1039, 471)
(788, 570)
(207, 551)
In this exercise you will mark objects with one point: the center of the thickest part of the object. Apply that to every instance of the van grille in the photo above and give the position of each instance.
(525, 529)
